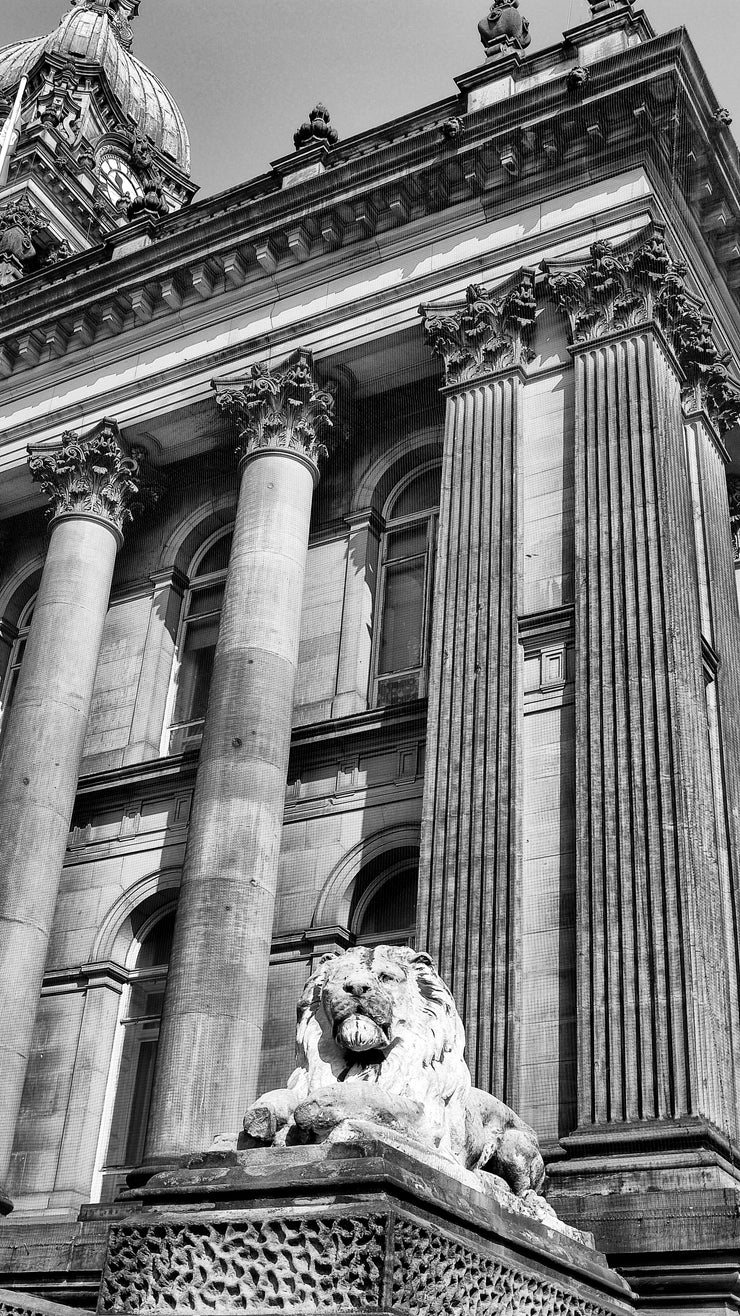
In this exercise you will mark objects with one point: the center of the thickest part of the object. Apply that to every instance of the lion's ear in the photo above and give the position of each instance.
(330, 955)
(421, 957)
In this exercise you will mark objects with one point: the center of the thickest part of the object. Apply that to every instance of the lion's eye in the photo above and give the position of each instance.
(385, 977)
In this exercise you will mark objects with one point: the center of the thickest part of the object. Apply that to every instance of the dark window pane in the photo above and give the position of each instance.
(407, 542)
(403, 615)
(157, 945)
(393, 907)
(194, 677)
(217, 557)
(142, 1098)
(206, 600)
(418, 496)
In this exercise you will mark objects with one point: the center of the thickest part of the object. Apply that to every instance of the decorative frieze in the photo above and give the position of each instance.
(281, 408)
(485, 334)
(90, 474)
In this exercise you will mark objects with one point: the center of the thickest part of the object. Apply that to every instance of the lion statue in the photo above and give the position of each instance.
(380, 1048)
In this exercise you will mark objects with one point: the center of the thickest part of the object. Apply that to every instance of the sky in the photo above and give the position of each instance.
(245, 73)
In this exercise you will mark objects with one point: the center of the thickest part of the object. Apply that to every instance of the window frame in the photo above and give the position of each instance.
(391, 526)
(14, 664)
(127, 1024)
(389, 937)
(195, 585)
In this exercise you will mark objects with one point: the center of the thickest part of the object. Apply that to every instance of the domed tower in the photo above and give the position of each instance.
(91, 139)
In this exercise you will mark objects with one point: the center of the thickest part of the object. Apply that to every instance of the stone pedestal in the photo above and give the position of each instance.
(336, 1229)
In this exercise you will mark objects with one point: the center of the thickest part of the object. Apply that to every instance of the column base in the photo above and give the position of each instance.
(663, 1201)
(141, 1174)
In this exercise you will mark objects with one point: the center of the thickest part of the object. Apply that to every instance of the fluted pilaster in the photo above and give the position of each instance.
(470, 844)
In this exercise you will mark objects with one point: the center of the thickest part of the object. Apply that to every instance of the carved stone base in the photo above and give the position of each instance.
(342, 1229)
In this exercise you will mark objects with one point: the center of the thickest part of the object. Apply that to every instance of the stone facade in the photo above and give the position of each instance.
(415, 627)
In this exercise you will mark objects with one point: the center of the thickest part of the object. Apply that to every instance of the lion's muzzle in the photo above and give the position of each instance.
(360, 1010)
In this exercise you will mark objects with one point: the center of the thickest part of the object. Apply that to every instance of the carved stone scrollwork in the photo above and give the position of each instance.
(485, 333)
(623, 288)
(92, 475)
(283, 408)
(733, 494)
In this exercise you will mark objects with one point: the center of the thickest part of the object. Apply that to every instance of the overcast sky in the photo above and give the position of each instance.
(246, 72)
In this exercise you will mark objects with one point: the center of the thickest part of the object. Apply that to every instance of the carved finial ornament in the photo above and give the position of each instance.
(119, 14)
(281, 409)
(504, 27)
(619, 289)
(91, 474)
(316, 131)
(485, 333)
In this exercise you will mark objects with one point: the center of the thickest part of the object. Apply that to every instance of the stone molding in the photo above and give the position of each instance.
(733, 493)
(638, 283)
(220, 246)
(88, 475)
(485, 333)
(280, 410)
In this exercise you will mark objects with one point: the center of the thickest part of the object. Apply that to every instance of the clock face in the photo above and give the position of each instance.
(118, 180)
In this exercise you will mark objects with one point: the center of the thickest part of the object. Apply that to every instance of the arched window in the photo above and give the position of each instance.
(196, 644)
(384, 902)
(406, 588)
(135, 1053)
(13, 668)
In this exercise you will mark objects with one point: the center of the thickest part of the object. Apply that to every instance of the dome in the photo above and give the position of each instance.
(88, 35)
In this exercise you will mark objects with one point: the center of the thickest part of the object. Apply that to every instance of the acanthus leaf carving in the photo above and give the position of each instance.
(621, 289)
(283, 408)
(91, 474)
(483, 334)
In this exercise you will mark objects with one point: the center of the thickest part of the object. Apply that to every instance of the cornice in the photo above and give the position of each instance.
(252, 235)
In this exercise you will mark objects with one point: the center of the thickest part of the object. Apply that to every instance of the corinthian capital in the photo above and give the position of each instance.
(484, 333)
(281, 409)
(90, 474)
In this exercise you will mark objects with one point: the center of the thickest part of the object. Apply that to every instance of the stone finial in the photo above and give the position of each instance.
(504, 27)
(119, 14)
(483, 334)
(316, 131)
(91, 474)
(722, 117)
(281, 408)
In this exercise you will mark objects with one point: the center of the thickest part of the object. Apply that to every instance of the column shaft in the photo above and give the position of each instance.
(39, 767)
(653, 1007)
(470, 850)
(211, 1036)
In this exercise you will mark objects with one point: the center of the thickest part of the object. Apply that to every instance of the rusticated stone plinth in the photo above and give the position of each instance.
(314, 1229)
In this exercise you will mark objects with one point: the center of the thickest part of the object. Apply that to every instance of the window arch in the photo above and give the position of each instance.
(196, 644)
(406, 587)
(12, 671)
(383, 906)
(124, 1127)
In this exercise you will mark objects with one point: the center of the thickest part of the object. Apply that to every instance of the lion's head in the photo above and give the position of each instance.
(382, 1015)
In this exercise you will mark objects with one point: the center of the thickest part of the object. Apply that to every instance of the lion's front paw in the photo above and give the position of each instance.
(267, 1116)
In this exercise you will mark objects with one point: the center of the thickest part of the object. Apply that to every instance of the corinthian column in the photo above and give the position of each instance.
(470, 851)
(90, 484)
(655, 970)
(211, 1037)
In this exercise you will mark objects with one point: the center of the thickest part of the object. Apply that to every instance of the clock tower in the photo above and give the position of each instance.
(90, 139)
